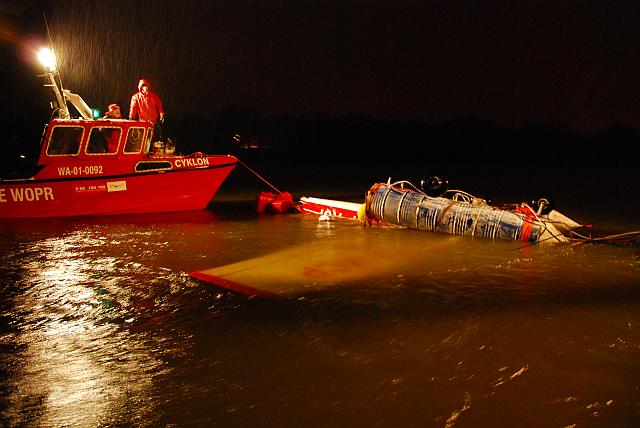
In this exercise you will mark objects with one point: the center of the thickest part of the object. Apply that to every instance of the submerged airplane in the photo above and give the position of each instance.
(356, 256)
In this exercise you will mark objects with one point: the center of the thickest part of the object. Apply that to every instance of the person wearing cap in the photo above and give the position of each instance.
(110, 134)
(146, 105)
(113, 112)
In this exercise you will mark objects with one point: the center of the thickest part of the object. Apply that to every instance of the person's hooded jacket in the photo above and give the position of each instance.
(146, 107)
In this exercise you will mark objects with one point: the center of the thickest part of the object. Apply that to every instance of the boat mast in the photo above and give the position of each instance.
(63, 111)
(48, 59)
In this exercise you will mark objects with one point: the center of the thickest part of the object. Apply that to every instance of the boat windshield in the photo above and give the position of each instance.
(104, 140)
(65, 140)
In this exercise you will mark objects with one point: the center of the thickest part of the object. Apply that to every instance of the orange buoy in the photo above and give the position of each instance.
(274, 203)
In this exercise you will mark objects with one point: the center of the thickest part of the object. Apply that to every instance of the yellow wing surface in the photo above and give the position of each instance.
(320, 264)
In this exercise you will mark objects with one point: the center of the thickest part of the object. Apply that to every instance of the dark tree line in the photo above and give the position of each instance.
(359, 138)
(362, 137)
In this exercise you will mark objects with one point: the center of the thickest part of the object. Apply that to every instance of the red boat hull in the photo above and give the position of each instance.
(137, 193)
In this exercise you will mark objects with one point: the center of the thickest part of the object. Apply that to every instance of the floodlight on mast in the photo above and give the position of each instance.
(48, 59)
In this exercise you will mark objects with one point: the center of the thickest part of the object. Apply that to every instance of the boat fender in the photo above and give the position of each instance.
(434, 186)
(169, 147)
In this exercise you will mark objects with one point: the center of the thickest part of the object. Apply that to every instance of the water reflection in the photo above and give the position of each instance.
(100, 324)
(80, 360)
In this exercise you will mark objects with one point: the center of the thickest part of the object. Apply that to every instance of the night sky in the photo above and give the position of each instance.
(573, 63)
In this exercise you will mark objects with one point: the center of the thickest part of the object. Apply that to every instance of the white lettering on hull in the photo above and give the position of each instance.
(27, 194)
(90, 188)
(191, 162)
(80, 170)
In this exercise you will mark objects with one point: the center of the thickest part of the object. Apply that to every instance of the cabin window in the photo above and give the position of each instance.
(135, 140)
(104, 140)
(65, 140)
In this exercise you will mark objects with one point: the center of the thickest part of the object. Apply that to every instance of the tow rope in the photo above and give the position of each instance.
(259, 176)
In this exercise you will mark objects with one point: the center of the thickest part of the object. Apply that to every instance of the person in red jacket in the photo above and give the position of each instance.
(146, 105)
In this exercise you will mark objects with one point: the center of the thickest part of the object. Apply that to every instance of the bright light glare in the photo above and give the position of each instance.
(47, 58)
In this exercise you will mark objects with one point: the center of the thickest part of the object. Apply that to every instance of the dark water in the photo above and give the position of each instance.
(100, 324)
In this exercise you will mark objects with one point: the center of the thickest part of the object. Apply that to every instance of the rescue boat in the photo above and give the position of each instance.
(108, 166)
